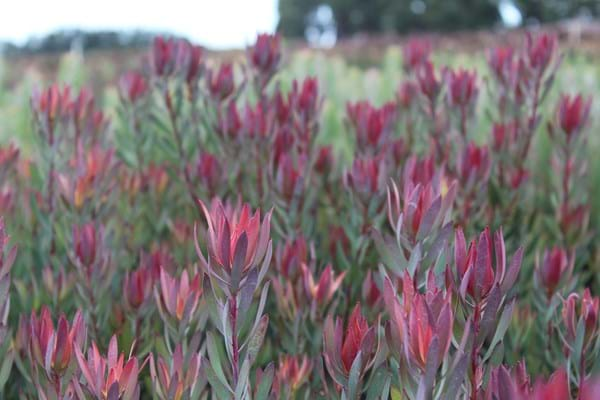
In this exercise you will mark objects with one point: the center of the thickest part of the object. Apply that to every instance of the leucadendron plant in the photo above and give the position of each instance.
(146, 257)
(239, 250)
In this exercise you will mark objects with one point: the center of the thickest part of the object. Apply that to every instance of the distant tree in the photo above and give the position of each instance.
(352, 16)
(64, 40)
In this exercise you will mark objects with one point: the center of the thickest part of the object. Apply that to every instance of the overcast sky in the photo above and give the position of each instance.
(213, 23)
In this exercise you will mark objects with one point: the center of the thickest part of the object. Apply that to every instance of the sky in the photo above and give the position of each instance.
(212, 23)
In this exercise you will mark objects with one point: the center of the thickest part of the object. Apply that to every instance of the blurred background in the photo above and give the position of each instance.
(30, 26)
(91, 43)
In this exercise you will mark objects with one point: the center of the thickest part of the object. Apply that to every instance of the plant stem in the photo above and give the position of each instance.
(475, 354)
(233, 311)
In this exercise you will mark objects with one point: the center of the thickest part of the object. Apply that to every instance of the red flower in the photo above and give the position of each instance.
(556, 388)
(52, 349)
(573, 113)
(178, 297)
(137, 287)
(590, 389)
(289, 176)
(305, 98)
(322, 291)
(292, 371)
(266, 53)
(540, 51)
(110, 376)
(476, 275)
(367, 176)
(555, 264)
(575, 309)
(51, 105)
(133, 86)
(462, 87)
(324, 161)
(341, 349)
(190, 61)
(406, 94)
(475, 163)
(221, 84)
(209, 171)
(372, 125)
(176, 377)
(290, 256)
(429, 84)
(370, 291)
(415, 53)
(229, 122)
(500, 60)
(226, 228)
(163, 56)
(419, 321)
(85, 242)
(355, 333)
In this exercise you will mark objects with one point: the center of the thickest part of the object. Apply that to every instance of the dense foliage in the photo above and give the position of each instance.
(209, 241)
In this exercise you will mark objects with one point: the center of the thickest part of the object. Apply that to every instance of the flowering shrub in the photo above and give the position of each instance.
(205, 239)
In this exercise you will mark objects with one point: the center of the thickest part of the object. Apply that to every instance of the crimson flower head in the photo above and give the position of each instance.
(518, 176)
(229, 122)
(475, 163)
(420, 207)
(370, 291)
(221, 84)
(590, 389)
(255, 123)
(289, 176)
(338, 239)
(578, 309)
(178, 376)
(500, 61)
(462, 87)
(540, 51)
(367, 176)
(415, 53)
(342, 350)
(238, 243)
(209, 171)
(429, 84)
(110, 377)
(573, 113)
(190, 61)
(290, 256)
(178, 297)
(50, 105)
(137, 287)
(372, 125)
(555, 268)
(133, 86)
(500, 136)
(163, 56)
(305, 98)
(555, 388)
(322, 291)
(266, 53)
(85, 240)
(504, 385)
(406, 94)
(419, 322)
(324, 161)
(51, 348)
(475, 266)
(292, 371)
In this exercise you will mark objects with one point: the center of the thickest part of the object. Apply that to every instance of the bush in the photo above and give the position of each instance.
(207, 241)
